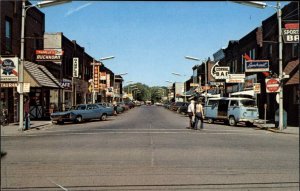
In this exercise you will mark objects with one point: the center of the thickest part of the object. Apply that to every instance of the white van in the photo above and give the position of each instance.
(231, 110)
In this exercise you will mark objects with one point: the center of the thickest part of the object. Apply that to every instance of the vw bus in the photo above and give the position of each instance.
(231, 110)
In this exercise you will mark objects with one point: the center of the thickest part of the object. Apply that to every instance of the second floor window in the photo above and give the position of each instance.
(8, 34)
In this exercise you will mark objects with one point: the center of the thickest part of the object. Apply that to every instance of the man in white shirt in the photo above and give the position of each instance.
(191, 113)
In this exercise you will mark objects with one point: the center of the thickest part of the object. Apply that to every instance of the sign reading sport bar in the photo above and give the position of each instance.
(54, 55)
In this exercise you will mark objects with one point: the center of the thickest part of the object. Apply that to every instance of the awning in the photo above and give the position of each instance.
(39, 76)
(190, 92)
(247, 92)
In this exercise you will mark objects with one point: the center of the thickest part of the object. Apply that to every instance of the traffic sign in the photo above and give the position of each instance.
(272, 85)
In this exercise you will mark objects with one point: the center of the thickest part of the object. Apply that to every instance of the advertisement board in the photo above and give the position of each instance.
(9, 69)
(256, 88)
(235, 78)
(75, 67)
(54, 55)
(257, 65)
(96, 78)
(221, 72)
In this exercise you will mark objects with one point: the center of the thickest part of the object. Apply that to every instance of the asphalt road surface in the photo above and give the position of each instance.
(149, 148)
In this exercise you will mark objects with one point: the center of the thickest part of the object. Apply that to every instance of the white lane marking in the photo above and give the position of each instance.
(58, 185)
(145, 132)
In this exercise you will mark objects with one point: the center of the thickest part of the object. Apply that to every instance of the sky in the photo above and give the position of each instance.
(149, 40)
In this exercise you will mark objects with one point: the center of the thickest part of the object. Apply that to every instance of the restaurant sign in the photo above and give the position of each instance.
(257, 65)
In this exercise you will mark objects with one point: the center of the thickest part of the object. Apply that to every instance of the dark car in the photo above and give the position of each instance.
(130, 104)
(183, 109)
(176, 106)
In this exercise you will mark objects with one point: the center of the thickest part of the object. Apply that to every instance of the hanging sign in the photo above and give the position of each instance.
(257, 65)
(75, 67)
(9, 68)
(221, 72)
(96, 78)
(235, 78)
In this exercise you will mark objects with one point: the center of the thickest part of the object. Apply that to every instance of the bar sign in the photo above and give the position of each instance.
(75, 67)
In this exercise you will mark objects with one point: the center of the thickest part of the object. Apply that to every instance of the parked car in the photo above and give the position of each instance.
(109, 109)
(81, 112)
(231, 110)
(130, 104)
(123, 105)
(110, 105)
(183, 108)
(176, 105)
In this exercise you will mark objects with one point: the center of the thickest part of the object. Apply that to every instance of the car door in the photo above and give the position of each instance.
(223, 109)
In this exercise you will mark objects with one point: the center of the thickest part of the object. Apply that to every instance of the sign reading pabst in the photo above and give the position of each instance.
(272, 85)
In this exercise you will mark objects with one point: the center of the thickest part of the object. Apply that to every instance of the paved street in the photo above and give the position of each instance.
(149, 148)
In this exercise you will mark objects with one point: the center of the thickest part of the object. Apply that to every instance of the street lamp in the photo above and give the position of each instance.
(94, 63)
(184, 85)
(25, 8)
(263, 5)
(205, 72)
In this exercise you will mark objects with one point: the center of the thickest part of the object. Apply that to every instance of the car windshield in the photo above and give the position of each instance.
(248, 103)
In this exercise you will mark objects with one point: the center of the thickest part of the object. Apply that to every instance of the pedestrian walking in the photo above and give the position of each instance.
(27, 115)
(199, 115)
(191, 114)
(115, 107)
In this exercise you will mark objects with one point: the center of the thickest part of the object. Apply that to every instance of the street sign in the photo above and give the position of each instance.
(290, 35)
(75, 67)
(235, 78)
(26, 88)
(272, 85)
(257, 65)
(221, 72)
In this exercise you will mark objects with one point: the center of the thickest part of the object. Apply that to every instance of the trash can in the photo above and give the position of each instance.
(277, 119)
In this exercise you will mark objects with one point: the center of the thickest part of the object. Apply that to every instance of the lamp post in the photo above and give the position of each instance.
(205, 72)
(94, 63)
(25, 8)
(184, 85)
(263, 5)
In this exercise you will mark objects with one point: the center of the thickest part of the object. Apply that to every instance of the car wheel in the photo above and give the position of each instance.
(249, 124)
(210, 121)
(232, 121)
(78, 119)
(103, 117)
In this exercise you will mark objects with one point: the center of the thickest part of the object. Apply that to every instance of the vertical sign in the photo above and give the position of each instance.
(75, 67)
(96, 77)
(108, 80)
(256, 88)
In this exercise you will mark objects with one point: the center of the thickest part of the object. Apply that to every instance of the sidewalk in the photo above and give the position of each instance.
(271, 127)
(13, 128)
